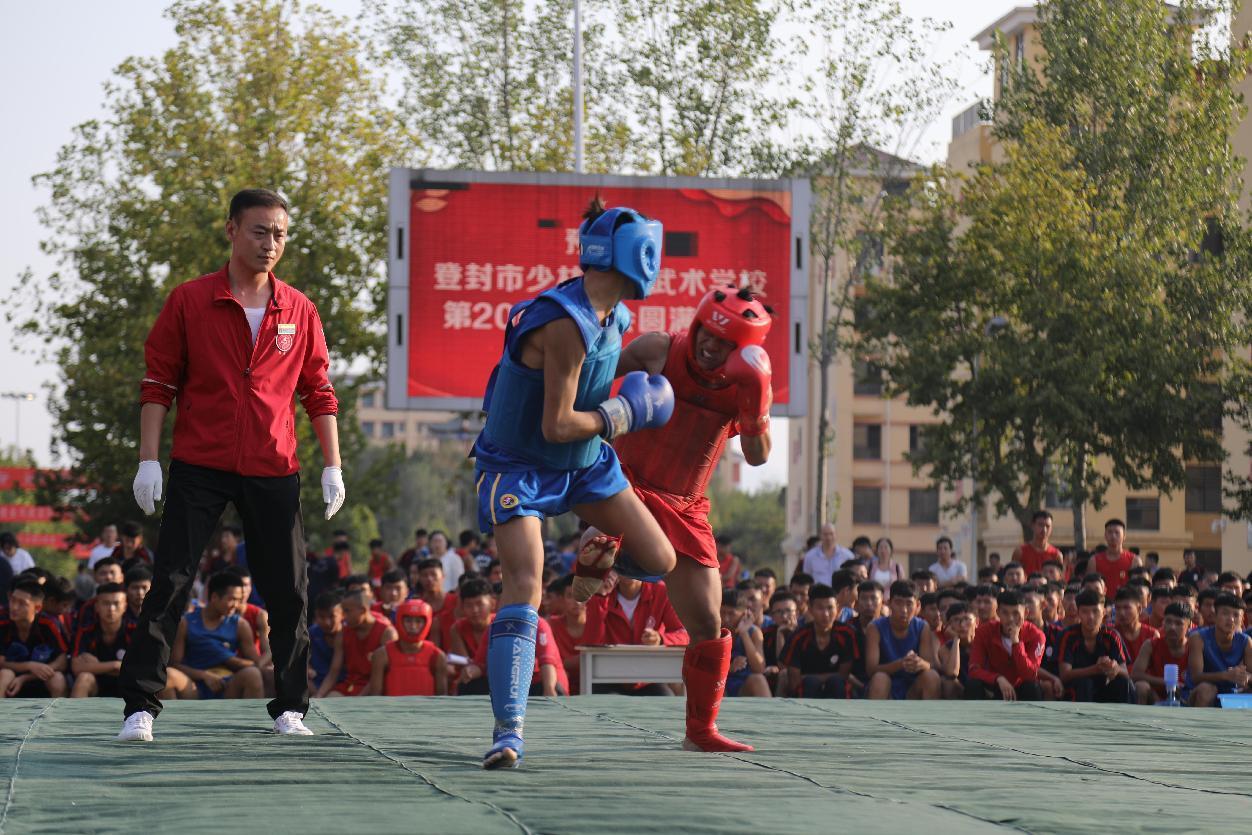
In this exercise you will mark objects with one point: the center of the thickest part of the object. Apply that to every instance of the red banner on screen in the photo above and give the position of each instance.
(25, 513)
(17, 478)
(477, 250)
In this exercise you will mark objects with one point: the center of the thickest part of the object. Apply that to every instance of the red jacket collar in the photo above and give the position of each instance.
(280, 300)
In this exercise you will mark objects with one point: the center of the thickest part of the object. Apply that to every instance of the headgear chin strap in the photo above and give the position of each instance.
(622, 239)
(414, 609)
(731, 313)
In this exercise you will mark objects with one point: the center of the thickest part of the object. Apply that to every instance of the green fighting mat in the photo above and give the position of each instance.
(613, 764)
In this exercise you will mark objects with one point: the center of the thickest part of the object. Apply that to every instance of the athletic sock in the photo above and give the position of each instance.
(510, 668)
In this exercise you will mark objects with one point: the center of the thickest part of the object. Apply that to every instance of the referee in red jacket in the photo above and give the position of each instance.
(232, 348)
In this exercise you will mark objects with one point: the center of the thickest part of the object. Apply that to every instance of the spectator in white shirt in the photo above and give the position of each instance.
(948, 570)
(824, 559)
(19, 558)
(104, 548)
(453, 565)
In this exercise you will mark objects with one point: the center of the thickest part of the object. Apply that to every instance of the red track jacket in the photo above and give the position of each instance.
(988, 659)
(607, 622)
(235, 407)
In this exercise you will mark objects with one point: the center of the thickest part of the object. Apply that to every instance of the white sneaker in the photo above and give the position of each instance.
(291, 724)
(137, 727)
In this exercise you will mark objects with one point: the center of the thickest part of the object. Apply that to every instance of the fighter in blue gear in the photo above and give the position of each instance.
(542, 451)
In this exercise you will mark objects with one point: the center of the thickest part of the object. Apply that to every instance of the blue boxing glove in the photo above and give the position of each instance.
(643, 402)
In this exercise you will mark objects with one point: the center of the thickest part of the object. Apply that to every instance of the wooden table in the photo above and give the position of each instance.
(627, 664)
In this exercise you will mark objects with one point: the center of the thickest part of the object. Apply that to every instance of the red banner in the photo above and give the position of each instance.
(44, 540)
(17, 478)
(25, 513)
(479, 249)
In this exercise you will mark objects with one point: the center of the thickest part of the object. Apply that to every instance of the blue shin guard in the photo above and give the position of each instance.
(510, 668)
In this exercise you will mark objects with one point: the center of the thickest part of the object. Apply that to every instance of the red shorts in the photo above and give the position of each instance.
(687, 527)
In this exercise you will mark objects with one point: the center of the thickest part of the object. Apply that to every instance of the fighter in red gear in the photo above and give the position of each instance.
(720, 374)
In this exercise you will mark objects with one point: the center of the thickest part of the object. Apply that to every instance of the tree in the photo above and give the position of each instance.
(755, 521)
(254, 94)
(487, 84)
(874, 92)
(1097, 250)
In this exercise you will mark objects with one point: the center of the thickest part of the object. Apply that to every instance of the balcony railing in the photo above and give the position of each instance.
(968, 119)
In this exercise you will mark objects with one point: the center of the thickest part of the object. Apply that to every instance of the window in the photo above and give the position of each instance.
(867, 505)
(917, 438)
(924, 506)
(1204, 489)
(1210, 559)
(368, 399)
(866, 379)
(867, 442)
(368, 428)
(388, 429)
(869, 255)
(1143, 514)
(1019, 48)
(922, 560)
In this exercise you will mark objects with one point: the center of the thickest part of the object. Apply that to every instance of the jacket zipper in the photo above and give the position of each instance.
(240, 410)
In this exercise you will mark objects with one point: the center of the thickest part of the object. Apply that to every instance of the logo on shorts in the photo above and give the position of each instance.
(508, 501)
(286, 337)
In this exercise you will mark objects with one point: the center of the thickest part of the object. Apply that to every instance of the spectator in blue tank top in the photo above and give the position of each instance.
(900, 650)
(328, 622)
(1219, 656)
(215, 647)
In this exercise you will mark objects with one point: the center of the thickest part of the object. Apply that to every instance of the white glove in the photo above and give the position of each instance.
(147, 486)
(333, 492)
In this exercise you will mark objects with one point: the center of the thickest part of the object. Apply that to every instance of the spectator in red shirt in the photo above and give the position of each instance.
(342, 553)
(411, 665)
(412, 556)
(32, 650)
(362, 633)
(568, 629)
(1033, 555)
(426, 577)
(1093, 656)
(1170, 647)
(131, 551)
(392, 591)
(1126, 611)
(477, 605)
(1115, 562)
(548, 678)
(380, 562)
(1005, 655)
(138, 584)
(629, 611)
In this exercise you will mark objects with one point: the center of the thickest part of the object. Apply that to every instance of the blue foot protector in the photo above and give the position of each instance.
(510, 668)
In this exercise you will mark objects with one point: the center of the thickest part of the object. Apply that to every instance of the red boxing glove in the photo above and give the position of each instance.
(749, 369)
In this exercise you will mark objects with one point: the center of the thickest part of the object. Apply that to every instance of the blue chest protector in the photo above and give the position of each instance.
(512, 439)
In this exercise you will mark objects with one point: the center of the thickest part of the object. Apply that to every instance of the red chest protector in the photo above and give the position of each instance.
(678, 458)
(410, 674)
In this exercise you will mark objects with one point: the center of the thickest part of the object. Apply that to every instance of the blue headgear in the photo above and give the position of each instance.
(624, 240)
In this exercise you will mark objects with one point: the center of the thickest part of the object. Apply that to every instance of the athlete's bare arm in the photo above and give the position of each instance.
(558, 349)
(647, 353)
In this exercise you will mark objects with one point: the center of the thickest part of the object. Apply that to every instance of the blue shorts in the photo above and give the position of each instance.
(543, 492)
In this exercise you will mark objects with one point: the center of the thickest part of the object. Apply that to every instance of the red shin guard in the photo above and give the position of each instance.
(705, 667)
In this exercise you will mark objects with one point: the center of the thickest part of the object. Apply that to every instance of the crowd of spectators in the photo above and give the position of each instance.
(849, 623)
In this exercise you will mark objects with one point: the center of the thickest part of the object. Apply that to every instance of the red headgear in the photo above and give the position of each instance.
(730, 313)
(414, 608)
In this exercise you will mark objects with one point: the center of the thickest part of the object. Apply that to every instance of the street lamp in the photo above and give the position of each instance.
(993, 327)
(18, 397)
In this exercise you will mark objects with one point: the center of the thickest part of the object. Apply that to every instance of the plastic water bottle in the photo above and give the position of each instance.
(1171, 687)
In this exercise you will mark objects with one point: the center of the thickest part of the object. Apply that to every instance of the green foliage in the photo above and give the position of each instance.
(1097, 248)
(254, 94)
(432, 490)
(756, 521)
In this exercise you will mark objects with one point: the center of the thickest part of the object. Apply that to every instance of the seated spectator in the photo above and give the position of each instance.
(925, 582)
(327, 624)
(954, 652)
(819, 658)
(799, 588)
(58, 605)
(900, 651)
(947, 570)
(410, 665)
(859, 569)
(1170, 647)
(1033, 605)
(945, 598)
(1164, 578)
(1014, 575)
(215, 647)
(1094, 580)
(629, 611)
(131, 551)
(380, 562)
(1006, 653)
(1231, 582)
(1219, 656)
(988, 576)
(785, 615)
(553, 594)
(844, 583)
(549, 678)
(1126, 612)
(767, 581)
(1054, 571)
(341, 552)
(747, 654)
(358, 582)
(393, 590)
(568, 629)
(427, 576)
(1093, 659)
(323, 573)
(362, 633)
(470, 632)
(256, 616)
(99, 648)
(928, 611)
(869, 596)
(752, 601)
(984, 603)
(32, 650)
(1206, 609)
(1157, 603)
(138, 584)
(107, 572)
(494, 573)
(16, 559)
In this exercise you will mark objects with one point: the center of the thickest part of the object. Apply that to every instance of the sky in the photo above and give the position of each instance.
(56, 57)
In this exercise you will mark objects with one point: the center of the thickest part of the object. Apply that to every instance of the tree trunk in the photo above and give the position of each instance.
(823, 420)
(1080, 505)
